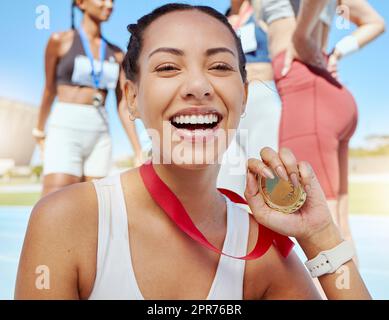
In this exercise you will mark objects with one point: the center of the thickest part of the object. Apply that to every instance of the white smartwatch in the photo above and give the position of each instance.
(330, 260)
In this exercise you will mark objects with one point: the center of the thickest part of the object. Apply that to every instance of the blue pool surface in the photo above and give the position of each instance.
(371, 235)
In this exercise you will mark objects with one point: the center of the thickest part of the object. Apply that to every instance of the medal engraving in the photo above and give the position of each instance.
(281, 195)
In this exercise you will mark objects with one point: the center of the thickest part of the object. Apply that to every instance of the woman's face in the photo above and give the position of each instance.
(189, 90)
(99, 10)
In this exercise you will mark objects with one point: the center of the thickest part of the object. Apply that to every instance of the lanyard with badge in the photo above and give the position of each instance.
(96, 74)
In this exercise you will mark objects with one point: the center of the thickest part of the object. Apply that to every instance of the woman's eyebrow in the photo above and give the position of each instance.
(178, 52)
(213, 51)
(174, 51)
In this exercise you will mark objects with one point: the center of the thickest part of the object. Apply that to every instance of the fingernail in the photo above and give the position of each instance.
(283, 72)
(282, 173)
(267, 172)
(294, 179)
(307, 188)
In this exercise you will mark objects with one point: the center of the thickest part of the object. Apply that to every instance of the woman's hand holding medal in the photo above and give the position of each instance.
(312, 223)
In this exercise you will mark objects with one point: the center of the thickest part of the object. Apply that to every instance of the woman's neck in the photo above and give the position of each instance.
(196, 189)
(91, 27)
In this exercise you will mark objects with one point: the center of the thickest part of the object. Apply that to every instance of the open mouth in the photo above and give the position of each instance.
(196, 121)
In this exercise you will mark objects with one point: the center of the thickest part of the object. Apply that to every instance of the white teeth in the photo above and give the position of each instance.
(193, 120)
(196, 119)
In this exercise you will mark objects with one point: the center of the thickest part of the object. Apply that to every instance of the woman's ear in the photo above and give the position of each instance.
(131, 94)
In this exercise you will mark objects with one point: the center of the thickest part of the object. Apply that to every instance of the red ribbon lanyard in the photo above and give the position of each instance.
(172, 206)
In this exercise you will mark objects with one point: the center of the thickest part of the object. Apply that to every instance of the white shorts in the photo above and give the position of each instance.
(78, 141)
(263, 113)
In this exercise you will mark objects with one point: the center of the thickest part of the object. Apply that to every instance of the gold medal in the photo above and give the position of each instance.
(282, 195)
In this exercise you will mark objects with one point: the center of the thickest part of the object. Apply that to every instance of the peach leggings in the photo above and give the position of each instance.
(318, 118)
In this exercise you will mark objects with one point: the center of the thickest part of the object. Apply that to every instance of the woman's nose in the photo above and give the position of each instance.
(197, 86)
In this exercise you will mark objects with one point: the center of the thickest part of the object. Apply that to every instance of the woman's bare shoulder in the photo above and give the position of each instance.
(72, 211)
(62, 228)
(60, 36)
(60, 42)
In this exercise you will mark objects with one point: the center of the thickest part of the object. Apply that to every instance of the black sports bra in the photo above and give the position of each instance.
(75, 69)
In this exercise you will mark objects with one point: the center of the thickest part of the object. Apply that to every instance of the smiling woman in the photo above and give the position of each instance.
(199, 119)
(130, 236)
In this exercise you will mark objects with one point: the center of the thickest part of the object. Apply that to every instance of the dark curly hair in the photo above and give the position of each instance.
(130, 61)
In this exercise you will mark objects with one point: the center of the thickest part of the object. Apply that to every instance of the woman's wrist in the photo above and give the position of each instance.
(325, 239)
(337, 54)
(347, 45)
(38, 133)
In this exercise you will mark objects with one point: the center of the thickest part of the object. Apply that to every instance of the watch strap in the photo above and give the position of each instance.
(330, 260)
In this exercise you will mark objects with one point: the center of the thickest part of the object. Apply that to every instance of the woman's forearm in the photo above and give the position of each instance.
(346, 282)
(358, 39)
(308, 17)
(369, 26)
(280, 35)
(368, 32)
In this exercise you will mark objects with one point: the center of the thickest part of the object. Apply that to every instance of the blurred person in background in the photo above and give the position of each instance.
(80, 67)
(319, 114)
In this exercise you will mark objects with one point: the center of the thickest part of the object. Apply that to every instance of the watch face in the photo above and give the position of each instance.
(281, 195)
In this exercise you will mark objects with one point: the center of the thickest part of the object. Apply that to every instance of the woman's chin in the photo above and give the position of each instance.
(103, 17)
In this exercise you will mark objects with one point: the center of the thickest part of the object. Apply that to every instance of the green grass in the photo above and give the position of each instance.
(365, 198)
(19, 199)
(360, 152)
(369, 197)
(15, 181)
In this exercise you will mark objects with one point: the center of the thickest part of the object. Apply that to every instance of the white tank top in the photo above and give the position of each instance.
(115, 277)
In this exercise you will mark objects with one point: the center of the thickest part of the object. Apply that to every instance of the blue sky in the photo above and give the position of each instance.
(22, 77)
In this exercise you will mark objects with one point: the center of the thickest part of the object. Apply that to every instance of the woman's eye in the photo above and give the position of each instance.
(221, 66)
(166, 67)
